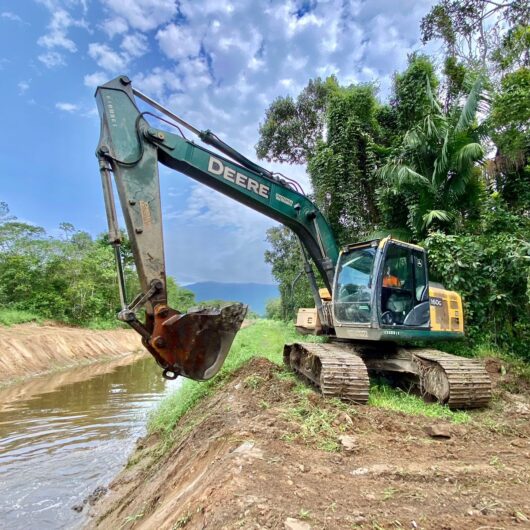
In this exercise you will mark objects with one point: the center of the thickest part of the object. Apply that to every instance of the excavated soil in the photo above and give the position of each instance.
(30, 349)
(260, 453)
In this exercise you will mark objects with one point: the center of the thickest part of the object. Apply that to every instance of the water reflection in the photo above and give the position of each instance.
(63, 435)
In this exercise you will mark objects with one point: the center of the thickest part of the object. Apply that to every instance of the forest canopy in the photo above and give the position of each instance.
(444, 162)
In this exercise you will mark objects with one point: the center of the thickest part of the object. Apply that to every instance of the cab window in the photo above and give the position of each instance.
(404, 292)
(352, 293)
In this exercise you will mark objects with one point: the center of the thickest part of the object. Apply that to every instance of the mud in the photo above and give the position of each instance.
(259, 453)
(30, 349)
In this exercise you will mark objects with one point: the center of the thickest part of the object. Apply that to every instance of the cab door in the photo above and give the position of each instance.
(404, 299)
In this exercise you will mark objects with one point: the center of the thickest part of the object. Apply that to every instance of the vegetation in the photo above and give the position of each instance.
(265, 338)
(385, 397)
(285, 257)
(9, 317)
(445, 164)
(69, 278)
(273, 309)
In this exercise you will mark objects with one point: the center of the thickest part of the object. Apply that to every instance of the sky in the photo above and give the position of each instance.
(216, 63)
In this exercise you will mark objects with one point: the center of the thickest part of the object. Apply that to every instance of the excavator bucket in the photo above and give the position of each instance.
(194, 344)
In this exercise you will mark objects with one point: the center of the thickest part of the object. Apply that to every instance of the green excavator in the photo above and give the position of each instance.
(377, 296)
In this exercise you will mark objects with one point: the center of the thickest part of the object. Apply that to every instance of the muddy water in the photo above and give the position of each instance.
(63, 435)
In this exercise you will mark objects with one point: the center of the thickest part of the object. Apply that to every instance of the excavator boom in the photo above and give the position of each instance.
(129, 150)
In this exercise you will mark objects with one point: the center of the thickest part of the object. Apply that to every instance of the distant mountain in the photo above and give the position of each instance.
(255, 295)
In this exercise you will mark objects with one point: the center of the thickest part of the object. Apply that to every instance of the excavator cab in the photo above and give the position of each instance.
(381, 291)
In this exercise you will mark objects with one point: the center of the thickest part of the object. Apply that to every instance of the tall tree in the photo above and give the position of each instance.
(412, 91)
(292, 127)
(481, 33)
(285, 258)
(435, 166)
(343, 169)
(509, 125)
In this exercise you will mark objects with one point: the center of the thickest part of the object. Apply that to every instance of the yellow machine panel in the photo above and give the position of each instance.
(307, 320)
(324, 295)
(446, 310)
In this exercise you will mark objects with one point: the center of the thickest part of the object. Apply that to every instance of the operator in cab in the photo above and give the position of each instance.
(390, 280)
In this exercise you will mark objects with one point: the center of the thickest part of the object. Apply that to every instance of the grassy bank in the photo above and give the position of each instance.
(265, 338)
(10, 317)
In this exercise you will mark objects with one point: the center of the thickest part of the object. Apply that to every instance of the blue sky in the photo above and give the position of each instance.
(217, 63)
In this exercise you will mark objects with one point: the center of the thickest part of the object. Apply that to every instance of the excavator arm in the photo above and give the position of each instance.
(196, 343)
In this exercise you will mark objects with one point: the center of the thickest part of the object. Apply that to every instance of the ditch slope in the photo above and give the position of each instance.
(30, 349)
(263, 451)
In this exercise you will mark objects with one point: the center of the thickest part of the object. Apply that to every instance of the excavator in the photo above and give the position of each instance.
(377, 297)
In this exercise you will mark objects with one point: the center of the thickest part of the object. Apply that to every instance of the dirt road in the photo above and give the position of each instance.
(262, 452)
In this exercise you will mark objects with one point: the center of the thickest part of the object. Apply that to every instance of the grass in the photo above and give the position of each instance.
(385, 397)
(10, 317)
(315, 425)
(265, 338)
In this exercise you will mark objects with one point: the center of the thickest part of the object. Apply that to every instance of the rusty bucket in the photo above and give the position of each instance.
(194, 344)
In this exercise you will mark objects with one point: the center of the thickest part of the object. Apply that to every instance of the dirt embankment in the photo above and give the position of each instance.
(262, 453)
(29, 349)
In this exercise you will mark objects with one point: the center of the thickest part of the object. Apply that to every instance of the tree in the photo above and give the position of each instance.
(292, 128)
(286, 260)
(472, 30)
(412, 92)
(435, 167)
(343, 169)
(509, 125)
(273, 309)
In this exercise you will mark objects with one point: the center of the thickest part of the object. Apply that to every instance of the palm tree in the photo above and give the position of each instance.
(435, 168)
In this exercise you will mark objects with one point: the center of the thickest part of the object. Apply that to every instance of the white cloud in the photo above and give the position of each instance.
(135, 44)
(178, 42)
(157, 82)
(51, 59)
(8, 15)
(95, 79)
(115, 26)
(57, 34)
(107, 58)
(23, 87)
(144, 15)
(67, 107)
(57, 39)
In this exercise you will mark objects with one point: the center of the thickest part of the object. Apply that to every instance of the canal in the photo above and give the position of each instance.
(65, 434)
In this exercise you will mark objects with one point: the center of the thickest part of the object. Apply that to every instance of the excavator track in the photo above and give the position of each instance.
(459, 382)
(334, 369)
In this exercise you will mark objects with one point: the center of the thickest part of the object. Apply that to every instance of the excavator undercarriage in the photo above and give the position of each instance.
(341, 370)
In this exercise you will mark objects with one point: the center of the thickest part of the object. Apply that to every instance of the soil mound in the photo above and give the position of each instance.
(265, 452)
